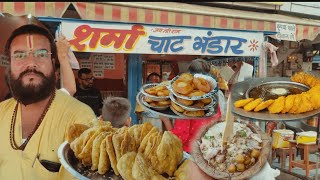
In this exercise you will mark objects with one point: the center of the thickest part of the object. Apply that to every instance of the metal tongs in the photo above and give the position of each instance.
(228, 130)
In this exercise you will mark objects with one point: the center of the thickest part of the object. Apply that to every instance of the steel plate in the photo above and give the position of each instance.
(159, 108)
(239, 91)
(168, 112)
(74, 167)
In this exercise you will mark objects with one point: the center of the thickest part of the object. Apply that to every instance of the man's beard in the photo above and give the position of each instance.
(31, 93)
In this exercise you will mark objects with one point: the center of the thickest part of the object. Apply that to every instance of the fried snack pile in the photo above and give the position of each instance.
(294, 104)
(159, 90)
(306, 79)
(191, 103)
(137, 152)
(157, 103)
(222, 84)
(241, 152)
(188, 85)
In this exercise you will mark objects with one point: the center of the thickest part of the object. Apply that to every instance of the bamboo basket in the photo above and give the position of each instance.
(204, 166)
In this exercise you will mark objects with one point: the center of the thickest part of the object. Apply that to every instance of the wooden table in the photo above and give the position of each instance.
(305, 163)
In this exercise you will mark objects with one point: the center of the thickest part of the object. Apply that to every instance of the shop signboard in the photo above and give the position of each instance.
(286, 31)
(152, 39)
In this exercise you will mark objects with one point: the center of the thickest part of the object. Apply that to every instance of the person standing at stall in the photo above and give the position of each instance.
(187, 129)
(33, 123)
(86, 93)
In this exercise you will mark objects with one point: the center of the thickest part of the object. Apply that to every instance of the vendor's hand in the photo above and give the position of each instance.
(63, 47)
(195, 173)
(166, 122)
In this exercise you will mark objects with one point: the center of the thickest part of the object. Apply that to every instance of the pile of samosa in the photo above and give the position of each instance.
(298, 103)
(137, 152)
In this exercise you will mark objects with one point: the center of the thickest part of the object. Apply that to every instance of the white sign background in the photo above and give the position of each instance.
(286, 31)
(142, 46)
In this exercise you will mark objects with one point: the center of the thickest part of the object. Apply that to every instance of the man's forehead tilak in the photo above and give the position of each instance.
(30, 41)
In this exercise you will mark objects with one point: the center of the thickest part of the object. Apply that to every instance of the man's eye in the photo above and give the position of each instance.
(41, 55)
(19, 55)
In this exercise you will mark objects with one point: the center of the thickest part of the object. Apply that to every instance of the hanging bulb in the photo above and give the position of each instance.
(29, 18)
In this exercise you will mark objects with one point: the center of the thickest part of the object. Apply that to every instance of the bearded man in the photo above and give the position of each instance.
(33, 123)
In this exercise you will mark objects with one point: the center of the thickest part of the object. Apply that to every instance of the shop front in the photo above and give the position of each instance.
(163, 45)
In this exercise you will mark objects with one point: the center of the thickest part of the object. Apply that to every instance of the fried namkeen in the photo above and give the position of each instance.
(194, 113)
(146, 127)
(306, 105)
(263, 105)
(206, 101)
(74, 131)
(111, 154)
(202, 84)
(96, 149)
(196, 93)
(135, 132)
(186, 77)
(251, 105)
(182, 87)
(169, 153)
(296, 104)
(104, 162)
(277, 105)
(125, 165)
(242, 102)
(100, 123)
(288, 103)
(163, 93)
(141, 169)
(199, 104)
(144, 141)
(184, 101)
(78, 144)
(176, 107)
(181, 172)
(164, 103)
(117, 140)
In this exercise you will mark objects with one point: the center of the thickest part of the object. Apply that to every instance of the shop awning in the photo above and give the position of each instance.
(53, 9)
(181, 14)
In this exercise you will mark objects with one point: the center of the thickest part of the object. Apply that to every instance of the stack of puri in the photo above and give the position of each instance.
(191, 104)
(158, 91)
(137, 152)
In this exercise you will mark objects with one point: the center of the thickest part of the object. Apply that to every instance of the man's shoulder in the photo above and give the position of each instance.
(7, 103)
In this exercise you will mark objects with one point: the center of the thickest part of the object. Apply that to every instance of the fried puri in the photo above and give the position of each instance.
(251, 105)
(263, 105)
(242, 102)
(184, 101)
(176, 107)
(194, 113)
(182, 87)
(277, 105)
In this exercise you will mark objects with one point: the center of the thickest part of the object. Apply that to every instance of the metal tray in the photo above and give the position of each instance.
(154, 98)
(193, 108)
(74, 167)
(168, 112)
(278, 84)
(239, 90)
(159, 108)
(213, 83)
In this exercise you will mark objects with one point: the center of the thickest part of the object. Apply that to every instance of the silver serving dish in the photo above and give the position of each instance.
(266, 88)
(71, 164)
(239, 90)
(193, 108)
(159, 108)
(213, 84)
(208, 113)
(154, 98)
(169, 113)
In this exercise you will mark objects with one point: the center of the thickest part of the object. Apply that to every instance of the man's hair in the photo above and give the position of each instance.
(32, 29)
(83, 71)
(116, 110)
(199, 66)
(153, 74)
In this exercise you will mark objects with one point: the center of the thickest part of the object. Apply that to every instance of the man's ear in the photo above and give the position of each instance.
(128, 122)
